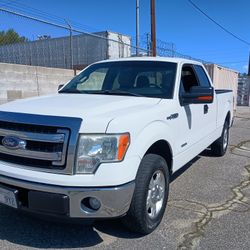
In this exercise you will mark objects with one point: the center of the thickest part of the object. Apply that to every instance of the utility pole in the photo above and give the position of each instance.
(70, 45)
(137, 27)
(153, 32)
(148, 44)
(173, 49)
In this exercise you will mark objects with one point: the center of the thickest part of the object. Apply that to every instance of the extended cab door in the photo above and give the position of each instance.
(209, 115)
(198, 120)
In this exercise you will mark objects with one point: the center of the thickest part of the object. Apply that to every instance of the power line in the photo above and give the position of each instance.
(65, 27)
(26, 11)
(222, 27)
(35, 19)
(42, 14)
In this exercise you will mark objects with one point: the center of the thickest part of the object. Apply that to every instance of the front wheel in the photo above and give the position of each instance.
(219, 147)
(150, 196)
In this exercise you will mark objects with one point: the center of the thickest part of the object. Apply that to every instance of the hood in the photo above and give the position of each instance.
(96, 111)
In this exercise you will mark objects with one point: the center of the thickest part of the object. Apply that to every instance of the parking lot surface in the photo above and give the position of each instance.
(208, 208)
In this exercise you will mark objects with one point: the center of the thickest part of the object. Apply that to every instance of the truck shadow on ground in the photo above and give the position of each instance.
(28, 231)
(206, 153)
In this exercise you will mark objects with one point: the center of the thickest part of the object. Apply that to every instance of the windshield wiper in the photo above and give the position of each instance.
(116, 92)
(76, 91)
(99, 92)
(70, 91)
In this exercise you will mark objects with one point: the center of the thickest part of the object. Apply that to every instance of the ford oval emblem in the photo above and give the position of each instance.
(13, 142)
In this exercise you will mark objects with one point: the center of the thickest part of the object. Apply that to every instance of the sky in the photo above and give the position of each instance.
(177, 22)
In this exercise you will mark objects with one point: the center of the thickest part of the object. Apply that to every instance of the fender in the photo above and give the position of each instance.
(153, 132)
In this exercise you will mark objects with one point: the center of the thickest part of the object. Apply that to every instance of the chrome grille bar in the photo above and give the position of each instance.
(54, 156)
(53, 138)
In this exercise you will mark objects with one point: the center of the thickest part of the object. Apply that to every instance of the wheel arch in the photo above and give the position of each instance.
(163, 149)
(228, 118)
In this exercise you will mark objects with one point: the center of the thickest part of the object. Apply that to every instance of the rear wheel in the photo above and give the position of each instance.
(150, 196)
(219, 147)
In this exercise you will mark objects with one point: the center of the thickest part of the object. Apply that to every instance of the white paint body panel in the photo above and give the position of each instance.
(144, 118)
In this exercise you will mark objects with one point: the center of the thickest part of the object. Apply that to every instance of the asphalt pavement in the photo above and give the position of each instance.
(208, 208)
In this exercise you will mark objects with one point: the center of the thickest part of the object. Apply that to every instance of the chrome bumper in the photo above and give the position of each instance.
(115, 201)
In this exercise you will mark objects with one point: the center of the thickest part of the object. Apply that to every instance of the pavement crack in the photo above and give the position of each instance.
(240, 149)
(190, 240)
(242, 117)
(173, 203)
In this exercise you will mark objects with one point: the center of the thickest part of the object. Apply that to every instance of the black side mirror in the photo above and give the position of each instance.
(196, 95)
(60, 86)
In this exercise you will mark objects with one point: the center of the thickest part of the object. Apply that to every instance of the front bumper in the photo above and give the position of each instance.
(67, 201)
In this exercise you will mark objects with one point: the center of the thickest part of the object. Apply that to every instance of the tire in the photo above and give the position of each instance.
(144, 215)
(219, 147)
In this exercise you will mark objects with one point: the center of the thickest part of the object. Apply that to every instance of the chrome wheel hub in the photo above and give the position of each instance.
(156, 193)
(225, 138)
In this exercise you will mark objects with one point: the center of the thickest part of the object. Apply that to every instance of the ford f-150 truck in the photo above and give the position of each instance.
(106, 145)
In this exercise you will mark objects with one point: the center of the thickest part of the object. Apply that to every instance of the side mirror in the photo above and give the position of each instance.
(60, 86)
(196, 95)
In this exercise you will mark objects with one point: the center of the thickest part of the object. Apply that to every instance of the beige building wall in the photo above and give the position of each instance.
(224, 78)
(22, 81)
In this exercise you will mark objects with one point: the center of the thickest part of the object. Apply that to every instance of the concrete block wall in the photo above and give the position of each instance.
(22, 81)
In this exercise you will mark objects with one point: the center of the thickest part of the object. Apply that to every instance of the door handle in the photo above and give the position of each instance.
(206, 108)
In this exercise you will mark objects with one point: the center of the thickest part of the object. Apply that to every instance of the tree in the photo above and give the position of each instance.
(11, 36)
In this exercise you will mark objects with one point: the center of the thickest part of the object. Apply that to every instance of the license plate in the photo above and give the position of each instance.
(8, 197)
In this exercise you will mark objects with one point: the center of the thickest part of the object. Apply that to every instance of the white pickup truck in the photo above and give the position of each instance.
(106, 145)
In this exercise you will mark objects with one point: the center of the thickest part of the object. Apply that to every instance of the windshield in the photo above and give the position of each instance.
(135, 78)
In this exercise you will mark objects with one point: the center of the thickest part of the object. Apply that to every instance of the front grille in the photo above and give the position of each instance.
(45, 146)
(26, 161)
(27, 127)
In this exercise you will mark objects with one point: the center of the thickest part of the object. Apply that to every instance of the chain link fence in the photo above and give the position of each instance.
(57, 45)
(61, 45)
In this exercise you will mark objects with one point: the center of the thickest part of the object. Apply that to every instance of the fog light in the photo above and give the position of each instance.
(94, 203)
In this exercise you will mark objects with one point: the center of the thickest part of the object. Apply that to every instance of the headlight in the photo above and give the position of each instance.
(95, 149)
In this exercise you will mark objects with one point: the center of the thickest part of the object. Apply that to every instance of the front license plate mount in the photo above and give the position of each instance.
(8, 197)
